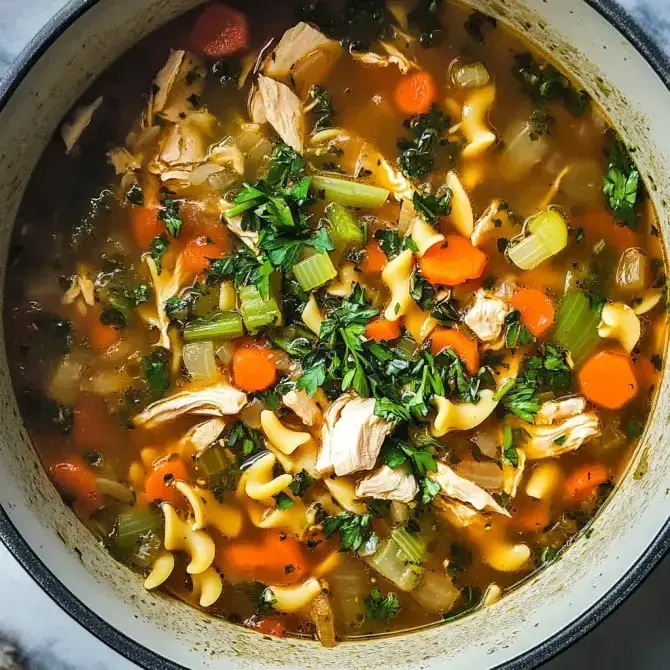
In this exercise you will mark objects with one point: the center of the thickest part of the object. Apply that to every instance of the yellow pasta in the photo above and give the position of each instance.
(303, 458)
(292, 599)
(512, 475)
(461, 416)
(343, 489)
(207, 586)
(285, 439)
(461, 216)
(419, 323)
(259, 483)
(397, 276)
(209, 512)
(161, 569)
(179, 536)
(544, 480)
(504, 556)
(311, 315)
(424, 235)
(474, 124)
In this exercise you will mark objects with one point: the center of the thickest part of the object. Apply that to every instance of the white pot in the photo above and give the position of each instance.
(622, 71)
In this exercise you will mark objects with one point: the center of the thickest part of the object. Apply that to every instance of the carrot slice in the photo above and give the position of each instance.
(608, 379)
(220, 31)
(381, 330)
(145, 225)
(583, 482)
(197, 252)
(415, 93)
(76, 479)
(253, 368)
(270, 626)
(100, 336)
(272, 560)
(465, 348)
(157, 484)
(600, 224)
(531, 517)
(375, 259)
(536, 310)
(452, 262)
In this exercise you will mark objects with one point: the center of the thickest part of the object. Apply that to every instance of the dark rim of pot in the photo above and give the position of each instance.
(146, 658)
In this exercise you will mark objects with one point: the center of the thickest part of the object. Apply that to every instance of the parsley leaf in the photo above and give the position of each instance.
(284, 501)
(241, 437)
(621, 185)
(429, 489)
(243, 267)
(321, 107)
(397, 453)
(157, 249)
(169, 213)
(516, 334)
(354, 529)
(381, 608)
(509, 453)
(156, 371)
(301, 482)
(391, 243)
(418, 152)
(433, 206)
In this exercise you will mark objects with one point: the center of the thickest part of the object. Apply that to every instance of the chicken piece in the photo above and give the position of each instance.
(79, 120)
(557, 410)
(298, 43)
(351, 435)
(283, 111)
(571, 433)
(200, 436)
(304, 406)
(394, 57)
(388, 484)
(216, 400)
(512, 475)
(485, 224)
(486, 317)
(457, 513)
(234, 223)
(256, 108)
(457, 487)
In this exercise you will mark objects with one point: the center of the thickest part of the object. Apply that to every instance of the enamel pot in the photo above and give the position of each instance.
(630, 78)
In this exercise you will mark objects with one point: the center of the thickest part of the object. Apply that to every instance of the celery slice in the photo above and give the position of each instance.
(222, 326)
(392, 563)
(344, 230)
(132, 528)
(577, 326)
(350, 193)
(256, 310)
(412, 544)
(547, 236)
(314, 271)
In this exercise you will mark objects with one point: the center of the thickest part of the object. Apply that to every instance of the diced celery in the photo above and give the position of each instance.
(212, 461)
(314, 271)
(392, 563)
(411, 543)
(222, 326)
(132, 528)
(350, 193)
(577, 326)
(547, 235)
(256, 310)
(344, 230)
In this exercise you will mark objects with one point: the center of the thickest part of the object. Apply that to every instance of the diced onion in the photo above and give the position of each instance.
(226, 352)
(521, 153)
(199, 360)
(437, 592)
(471, 75)
(547, 235)
(486, 474)
(632, 270)
(487, 440)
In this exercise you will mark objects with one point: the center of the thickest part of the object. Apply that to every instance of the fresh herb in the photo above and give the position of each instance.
(510, 455)
(429, 489)
(244, 268)
(425, 20)
(621, 185)
(475, 24)
(397, 453)
(516, 334)
(543, 82)
(391, 243)
(418, 152)
(243, 439)
(633, 429)
(301, 482)
(159, 245)
(433, 206)
(378, 508)
(354, 529)
(157, 371)
(134, 195)
(169, 213)
(284, 501)
(422, 292)
(542, 123)
(381, 608)
(322, 108)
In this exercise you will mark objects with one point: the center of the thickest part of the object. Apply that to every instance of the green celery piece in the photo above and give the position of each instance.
(314, 271)
(257, 311)
(349, 193)
(222, 326)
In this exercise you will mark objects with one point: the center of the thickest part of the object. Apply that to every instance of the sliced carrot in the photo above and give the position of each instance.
(76, 479)
(608, 379)
(270, 626)
(465, 348)
(271, 560)
(220, 31)
(536, 310)
(253, 368)
(583, 482)
(100, 336)
(157, 484)
(382, 330)
(531, 517)
(415, 93)
(453, 261)
(375, 259)
(645, 372)
(600, 224)
(145, 225)
(197, 252)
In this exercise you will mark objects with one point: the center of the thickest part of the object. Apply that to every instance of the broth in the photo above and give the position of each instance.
(414, 419)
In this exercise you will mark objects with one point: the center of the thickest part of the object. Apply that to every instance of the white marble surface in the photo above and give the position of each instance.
(635, 637)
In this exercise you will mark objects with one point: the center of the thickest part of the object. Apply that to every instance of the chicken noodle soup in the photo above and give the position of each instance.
(336, 319)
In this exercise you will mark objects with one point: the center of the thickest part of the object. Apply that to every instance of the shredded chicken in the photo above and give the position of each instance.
(485, 224)
(297, 43)
(486, 317)
(200, 436)
(457, 487)
(352, 436)
(257, 108)
(568, 435)
(388, 484)
(457, 513)
(557, 410)
(166, 285)
(234, 223)
(393, 57)
(122, 160)
(79, 120)
(283, 111)
(217, 400)
(304, 406)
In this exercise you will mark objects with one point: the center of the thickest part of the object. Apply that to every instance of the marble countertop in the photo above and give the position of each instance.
(635, 636)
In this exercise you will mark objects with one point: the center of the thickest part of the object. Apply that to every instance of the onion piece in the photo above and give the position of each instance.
(437, 592)
(521, 153)
(114, 489)
(632, 271)
(199, 360)
(487, 440)
(471, 75)
(486, 474)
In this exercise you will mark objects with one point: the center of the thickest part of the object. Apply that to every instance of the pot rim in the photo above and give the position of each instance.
(137, 653)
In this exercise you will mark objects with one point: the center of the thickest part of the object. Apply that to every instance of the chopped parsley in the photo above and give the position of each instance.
(283, 501)
(322, 108)
(159, 245)
(157, 372)
(510, 455)
(243, 267)
(301, 482)
(381, 608)
(244, 439)
(516, 334)
(621, 185)
(391, 243)
(169, 214)
(418, 152)
(433, 206)
(354, 530)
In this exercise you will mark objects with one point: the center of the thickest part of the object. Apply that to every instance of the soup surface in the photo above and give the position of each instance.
(338, 319)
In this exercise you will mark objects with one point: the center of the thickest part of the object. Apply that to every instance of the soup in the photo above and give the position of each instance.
(349, 317)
